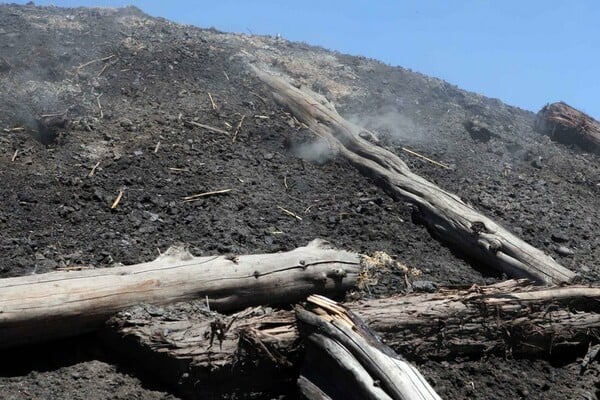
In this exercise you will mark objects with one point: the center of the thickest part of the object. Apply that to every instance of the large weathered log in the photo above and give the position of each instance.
(568, 125)
(347, 361)
(207, 355)
(445, 214)
(58, 304)
(506, 319)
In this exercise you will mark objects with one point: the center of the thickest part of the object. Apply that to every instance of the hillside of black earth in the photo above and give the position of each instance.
(97, 104)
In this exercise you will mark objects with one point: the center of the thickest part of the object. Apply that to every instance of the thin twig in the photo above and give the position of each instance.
(288, 212)
(16, 129)
(99, 105)
(285, 182)
(226, 76)
(57, 114)
(102, 70)
(52, 115)
(214, 106)
(259, 96)
(205, 194)
(157, 147)
(178, 169)
(237, 128)
(210, 128)
(14, 157)
(95, 61)
(93, 171)
(117, 200)
(439, 164)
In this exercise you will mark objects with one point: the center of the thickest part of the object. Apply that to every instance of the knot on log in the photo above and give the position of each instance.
(337, 273)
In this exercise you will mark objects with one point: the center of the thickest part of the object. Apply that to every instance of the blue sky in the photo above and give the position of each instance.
(526, 53)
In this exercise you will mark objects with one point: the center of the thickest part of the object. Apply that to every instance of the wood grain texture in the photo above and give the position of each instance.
(41, 307)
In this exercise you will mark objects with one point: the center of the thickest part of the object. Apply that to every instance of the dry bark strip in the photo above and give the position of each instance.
(346, 360)
(565, 124)
(445, 214)
(257, 350)
(58, 304)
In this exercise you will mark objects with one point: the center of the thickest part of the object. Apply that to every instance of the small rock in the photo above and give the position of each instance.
(424, 286)
(585, 268)
(479, 130)
(565, 251)
(537, 163)
(146, 229)
(150, 216)
(127, 124)
(559, 237)
(268, 156)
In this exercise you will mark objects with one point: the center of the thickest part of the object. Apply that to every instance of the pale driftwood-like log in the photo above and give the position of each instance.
(58, 304)
(510, 318)
(445, 214)
(347, 361)
(565, 124)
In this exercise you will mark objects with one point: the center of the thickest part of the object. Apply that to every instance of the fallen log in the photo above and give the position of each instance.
(446, 215)
(58, 304)
(565, 124)
(511, 318)
(202, 354)
(345, 360)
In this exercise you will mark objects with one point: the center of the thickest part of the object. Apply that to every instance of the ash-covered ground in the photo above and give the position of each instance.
(94, 102)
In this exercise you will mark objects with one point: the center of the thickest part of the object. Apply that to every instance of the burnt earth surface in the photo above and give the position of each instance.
(75, 133)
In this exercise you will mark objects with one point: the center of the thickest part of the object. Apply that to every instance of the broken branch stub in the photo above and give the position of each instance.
(58, 304)
(447, 217)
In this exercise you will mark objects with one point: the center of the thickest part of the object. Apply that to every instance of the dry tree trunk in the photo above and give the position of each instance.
(345, 360)
(445, 214)
(509, 318)
(58, 304)
(568, 125)
(257, 349)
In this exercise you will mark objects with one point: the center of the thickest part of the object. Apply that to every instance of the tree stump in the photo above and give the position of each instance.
(565, 124)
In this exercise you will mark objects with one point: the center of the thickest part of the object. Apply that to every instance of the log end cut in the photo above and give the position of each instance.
(565, 124)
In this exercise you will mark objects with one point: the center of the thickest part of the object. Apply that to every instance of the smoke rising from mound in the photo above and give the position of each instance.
(390, 123)
(317, 151)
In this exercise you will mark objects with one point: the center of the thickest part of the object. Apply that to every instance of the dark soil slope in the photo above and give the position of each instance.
(94, 102)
